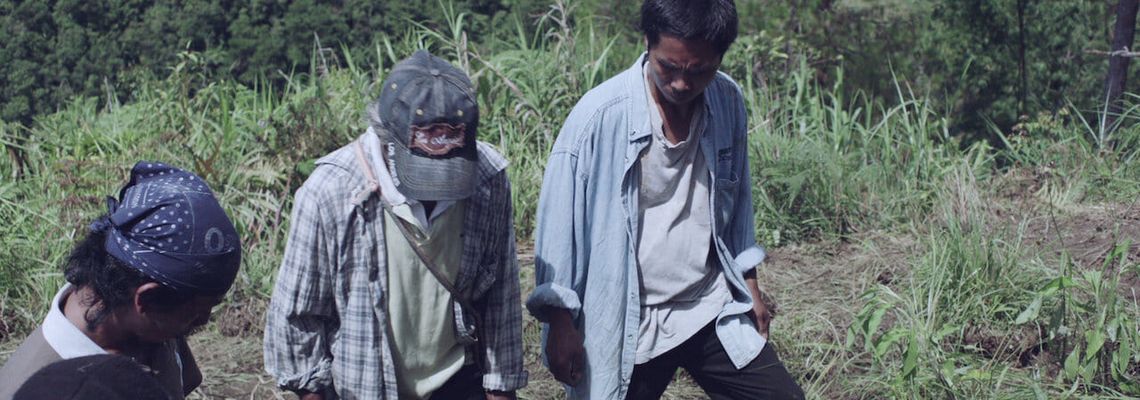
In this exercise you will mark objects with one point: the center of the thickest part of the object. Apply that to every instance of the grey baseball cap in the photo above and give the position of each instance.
(429, 116)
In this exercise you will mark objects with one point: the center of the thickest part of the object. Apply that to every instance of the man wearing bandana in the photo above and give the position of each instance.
(400, 278)
(147, 274)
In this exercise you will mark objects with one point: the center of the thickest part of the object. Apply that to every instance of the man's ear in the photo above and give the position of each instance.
(143, 295)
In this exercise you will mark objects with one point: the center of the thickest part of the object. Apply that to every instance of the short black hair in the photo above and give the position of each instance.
(114, 282)
(714, 21)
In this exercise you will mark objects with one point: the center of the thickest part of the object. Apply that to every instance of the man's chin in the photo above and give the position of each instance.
(680, 100)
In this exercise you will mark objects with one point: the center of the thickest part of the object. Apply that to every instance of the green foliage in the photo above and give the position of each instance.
(1067, 150)
(974, 51)
(54, 50)
(1086, 319)
(938, 344)
(965, 319)
(841, 145)
(965, 54)
(827, 165)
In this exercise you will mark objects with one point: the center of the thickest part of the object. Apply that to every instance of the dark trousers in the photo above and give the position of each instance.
(466, 384)
(707, 362)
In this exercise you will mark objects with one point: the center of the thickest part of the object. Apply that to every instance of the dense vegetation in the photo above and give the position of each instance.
(987, 62)
(862, 117)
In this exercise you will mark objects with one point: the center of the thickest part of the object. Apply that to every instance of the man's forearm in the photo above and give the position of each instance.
(758, 296)
(754, 287)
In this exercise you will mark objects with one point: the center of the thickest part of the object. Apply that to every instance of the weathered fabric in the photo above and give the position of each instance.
(168, 225)
(326, 327)
(682, 287)
(587, 219)
(427, 350)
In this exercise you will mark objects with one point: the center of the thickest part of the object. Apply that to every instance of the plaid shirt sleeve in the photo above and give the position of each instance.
(503, 314)
(302, 316)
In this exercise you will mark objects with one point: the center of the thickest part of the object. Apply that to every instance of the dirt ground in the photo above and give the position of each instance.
(816, 287)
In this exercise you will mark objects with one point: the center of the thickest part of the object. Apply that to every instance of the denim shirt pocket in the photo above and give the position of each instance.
(724, 202)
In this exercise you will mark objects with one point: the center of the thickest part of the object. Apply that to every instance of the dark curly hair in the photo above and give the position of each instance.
(714, 21)
(113, 281)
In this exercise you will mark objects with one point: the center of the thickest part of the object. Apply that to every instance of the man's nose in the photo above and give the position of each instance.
(680, 85)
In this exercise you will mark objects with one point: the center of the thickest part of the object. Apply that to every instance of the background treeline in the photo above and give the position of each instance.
(909, 260)
(986, 61)
(54, 50)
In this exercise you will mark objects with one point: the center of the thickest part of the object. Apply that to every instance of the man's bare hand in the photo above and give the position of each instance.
(761, 316)
(564, 349)
(310, 396)
(763, 308)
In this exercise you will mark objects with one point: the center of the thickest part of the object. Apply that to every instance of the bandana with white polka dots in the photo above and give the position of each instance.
(168, 225)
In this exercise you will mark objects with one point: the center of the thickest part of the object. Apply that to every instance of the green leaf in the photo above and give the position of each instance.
(872, 324)
(850, 336)
(1088, 369)
(1057, 284)
(1073, 363)
(910, 357)
(1030, 312)
(942, 333)
(887, 340)
(1136, 346)
(305, 168)
(1038, 393)
(979, 375)
(1095, 340)
(1120, 359)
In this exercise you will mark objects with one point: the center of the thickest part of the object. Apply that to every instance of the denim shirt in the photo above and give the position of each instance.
(585, 242)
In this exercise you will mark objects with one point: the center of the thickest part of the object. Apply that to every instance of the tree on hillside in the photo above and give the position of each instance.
(1122, 36)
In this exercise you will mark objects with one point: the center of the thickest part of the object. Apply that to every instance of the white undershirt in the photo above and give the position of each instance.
(682, 285)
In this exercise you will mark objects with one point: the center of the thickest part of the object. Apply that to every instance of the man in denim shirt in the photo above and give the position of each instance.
(645, 247)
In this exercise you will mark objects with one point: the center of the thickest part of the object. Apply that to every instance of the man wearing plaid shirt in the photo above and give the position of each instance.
(400, 278)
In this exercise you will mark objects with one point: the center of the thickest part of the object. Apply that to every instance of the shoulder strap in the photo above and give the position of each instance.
(374, 186)
(373, 183)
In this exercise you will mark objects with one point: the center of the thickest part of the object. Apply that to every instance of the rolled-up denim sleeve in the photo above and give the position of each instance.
(559, 278)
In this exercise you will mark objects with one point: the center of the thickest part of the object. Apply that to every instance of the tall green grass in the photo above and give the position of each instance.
(826, 167)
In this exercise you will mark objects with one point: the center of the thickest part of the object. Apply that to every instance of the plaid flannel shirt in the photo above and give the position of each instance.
(326, 328)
